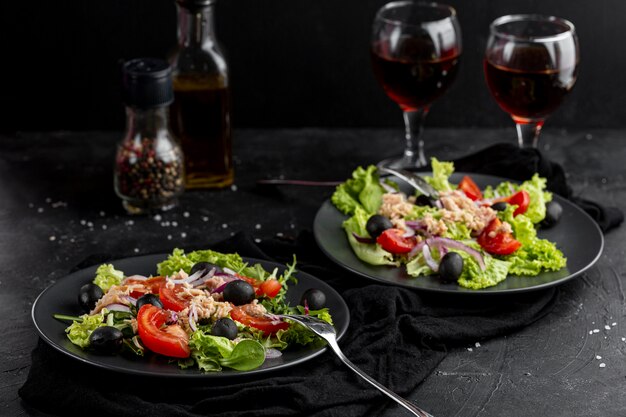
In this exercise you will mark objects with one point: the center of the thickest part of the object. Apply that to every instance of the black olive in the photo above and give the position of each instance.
(238, 292)
(88, 296)
(450, 267)
(424, 200)
(501, 206)
(203, 266)
(224, 327)
(106, 339)
(377, 224)
(315, 299)
(553, 214)
(149, 299)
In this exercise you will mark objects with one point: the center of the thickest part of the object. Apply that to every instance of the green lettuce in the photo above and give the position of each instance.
(441, 173)
(417, 267)
(475, 278)
(536, 189)
(179, 260)
(362, 190)
(211, 353)
(536, 254)
(107, 276)
(371, 253)
(80, 330)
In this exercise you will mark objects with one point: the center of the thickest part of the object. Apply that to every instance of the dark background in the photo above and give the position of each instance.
(292, 62)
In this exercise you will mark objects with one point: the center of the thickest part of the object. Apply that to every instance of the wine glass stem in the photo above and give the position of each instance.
(528, 133)
(414, 125)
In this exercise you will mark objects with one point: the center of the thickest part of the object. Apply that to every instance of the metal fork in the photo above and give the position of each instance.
(328, 333)
(413, 180)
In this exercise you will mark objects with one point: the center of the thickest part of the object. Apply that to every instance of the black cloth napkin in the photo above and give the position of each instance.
(396, 335)
(508, 160)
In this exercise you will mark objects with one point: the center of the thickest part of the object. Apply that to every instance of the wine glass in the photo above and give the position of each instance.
(415, 52)
(531, 64)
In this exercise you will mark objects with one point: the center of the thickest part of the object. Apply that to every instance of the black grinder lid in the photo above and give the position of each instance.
(147, 82)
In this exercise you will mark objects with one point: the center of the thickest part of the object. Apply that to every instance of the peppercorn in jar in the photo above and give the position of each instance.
(149, 168)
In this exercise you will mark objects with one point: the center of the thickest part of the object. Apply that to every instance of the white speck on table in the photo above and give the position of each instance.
(186, 214)
(602, 365)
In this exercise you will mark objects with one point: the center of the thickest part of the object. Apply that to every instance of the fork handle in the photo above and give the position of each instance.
(404, 403)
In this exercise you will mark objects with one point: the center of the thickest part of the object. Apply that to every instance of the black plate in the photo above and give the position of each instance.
(61, 298)
(577, 235)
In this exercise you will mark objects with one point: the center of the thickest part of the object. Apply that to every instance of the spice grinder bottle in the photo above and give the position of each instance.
(200, 114)
(149, 165)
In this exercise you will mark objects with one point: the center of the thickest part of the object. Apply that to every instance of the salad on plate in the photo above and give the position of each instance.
(204, 309)
(476, 238)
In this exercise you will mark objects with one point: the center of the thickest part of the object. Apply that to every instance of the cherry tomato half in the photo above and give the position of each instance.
(244, 315)
(172, 298)
(471, 190)
(392, 241)
(270, 288)
(169, 341)
(150, 285)
(521, 199)
(503, 243)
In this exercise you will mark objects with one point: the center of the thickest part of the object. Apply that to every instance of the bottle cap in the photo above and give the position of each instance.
(147, 82)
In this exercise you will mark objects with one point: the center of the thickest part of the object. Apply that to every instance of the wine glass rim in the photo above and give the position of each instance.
(432, 5)
(494, 27)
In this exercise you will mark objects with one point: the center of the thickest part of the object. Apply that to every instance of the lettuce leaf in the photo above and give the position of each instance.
(179, 260)
(441, 173)
(79, 331)
(211, 353)
(536, 254)
(536, 189)
(107, 276)
(371, 253)
(362, 190)
(474, 278)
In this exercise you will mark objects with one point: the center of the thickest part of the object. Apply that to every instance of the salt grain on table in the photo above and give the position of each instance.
(205, 219)
(40, 210)
(257, 240)
(477, 344)
(470, 349)
(157, 218)
(233, 187)
(53, 238)
(136, 250)
(596, 330)
(602, 365)
(174, 224)
(169, 237)
(102, 214)
(613, 324)
(183, 235)
(224, 226)
(186, 214)
(598, 357)
(83, 222)
(607, 327)
(257, 227)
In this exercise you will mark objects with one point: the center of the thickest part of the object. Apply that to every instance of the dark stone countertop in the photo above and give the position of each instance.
(54, 186)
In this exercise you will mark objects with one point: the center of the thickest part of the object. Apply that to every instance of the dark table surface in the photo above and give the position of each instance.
(57, 207)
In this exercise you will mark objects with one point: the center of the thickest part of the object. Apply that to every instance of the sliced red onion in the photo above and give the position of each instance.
(362, 239)
(306, 307)
(203, 278)
(131, 300)
(135, 277)
(429, 258)
(135, 340)
(408, 232)
(438, 204)
(229, 271)
(454, 244)
(173, 317)
(118, 307)
(191, 277)
(416, 249)
(227, 279)
(272, 353)
(193, 316)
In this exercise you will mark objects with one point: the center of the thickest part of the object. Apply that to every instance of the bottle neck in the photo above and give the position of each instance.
(146, 123)
(195, 26)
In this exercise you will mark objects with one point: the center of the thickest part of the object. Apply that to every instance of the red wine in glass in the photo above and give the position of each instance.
(414, 79)
(415, 51)
(531, 64)
(532, 93)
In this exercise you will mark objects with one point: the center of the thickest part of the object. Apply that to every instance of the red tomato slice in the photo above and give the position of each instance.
(521, 199)
(392, 241)
(172, 298)
(245, 316)
(150, 285)
(503, 243)
(270, 288)
(471, 190)
(169, 341)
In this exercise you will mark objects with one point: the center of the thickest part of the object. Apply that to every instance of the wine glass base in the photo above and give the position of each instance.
(403, 163)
